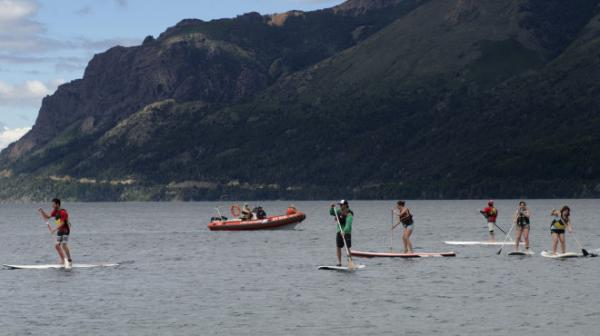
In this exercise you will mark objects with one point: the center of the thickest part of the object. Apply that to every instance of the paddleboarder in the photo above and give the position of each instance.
(560, 222)
(522, 224)
(405, 218)
(63, 229)
(491, 214)
(345, 217)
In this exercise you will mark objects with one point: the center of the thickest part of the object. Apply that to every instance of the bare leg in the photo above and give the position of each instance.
(554, 242)
(406, 239)
(518, 237)
(339, 255)
(563, 244)
(60, 252)
(66, 251)
(491, 230)
(526, 237)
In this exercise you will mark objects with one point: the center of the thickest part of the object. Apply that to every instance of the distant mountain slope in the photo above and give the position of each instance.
(456, 98)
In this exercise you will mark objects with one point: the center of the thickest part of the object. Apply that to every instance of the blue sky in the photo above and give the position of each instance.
(44, 43)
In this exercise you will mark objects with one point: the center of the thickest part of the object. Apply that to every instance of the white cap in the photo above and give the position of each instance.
(343, 202)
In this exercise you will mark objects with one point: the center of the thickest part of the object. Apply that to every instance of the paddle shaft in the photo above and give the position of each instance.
(392, 232)
(350, 263)
(584, 251)
(496, 225)
(505, 239)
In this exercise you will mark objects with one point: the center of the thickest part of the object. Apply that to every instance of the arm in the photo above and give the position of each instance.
(570, 226)
(348, 226)
(403, 214)
(484, 212)
(43, 214)
(332, 211)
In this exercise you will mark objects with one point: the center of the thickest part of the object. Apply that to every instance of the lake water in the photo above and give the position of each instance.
(178, 278)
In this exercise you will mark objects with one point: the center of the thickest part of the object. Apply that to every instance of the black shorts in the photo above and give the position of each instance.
(557, 231)
(340, 241)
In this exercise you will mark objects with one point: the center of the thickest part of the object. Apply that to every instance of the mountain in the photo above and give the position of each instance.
(369, 99)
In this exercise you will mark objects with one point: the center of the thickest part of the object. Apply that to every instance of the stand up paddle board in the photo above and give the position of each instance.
(521, 253)
(58, 266)
(548, 254)
(480, 243)
(342, 268)
(400, 255)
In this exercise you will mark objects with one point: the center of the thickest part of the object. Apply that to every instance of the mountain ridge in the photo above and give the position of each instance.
(390, 102)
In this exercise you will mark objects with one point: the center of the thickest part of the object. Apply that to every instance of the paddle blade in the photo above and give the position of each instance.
(585, 252)
(350, 264)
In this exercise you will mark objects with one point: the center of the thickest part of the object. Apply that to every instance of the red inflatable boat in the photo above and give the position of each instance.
(272, 222)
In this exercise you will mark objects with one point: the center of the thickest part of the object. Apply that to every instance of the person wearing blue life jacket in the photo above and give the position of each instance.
(345, 216)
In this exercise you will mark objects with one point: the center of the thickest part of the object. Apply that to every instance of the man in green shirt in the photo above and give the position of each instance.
(345, 217)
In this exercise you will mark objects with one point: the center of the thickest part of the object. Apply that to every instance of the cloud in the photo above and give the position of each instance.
(320, 1)
(85, 11)
(16, 17)
(10, 135)
(121, 3)
(28, 93)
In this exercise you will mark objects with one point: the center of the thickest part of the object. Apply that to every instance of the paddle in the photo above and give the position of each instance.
(392, 232)
(505, 239)
(496, 225)
(584, 251)
(350, 263)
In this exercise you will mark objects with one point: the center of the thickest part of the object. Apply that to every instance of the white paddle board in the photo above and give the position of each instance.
(548, 254)
(479, 243)
(58, 266)
(342, 268)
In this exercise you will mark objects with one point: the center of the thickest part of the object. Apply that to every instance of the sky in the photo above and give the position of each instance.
(44, 43)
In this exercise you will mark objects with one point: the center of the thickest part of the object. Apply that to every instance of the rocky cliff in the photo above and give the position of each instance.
(368, 99)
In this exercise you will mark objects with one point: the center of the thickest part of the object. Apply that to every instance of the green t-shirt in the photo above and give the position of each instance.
(349, 218)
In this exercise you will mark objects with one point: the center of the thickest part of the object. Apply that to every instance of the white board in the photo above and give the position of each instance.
(480, 243)
(58, 266)
(548, 254)
(341, 268)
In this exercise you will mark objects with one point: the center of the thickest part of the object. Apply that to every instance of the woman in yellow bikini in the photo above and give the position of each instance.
(560, 222)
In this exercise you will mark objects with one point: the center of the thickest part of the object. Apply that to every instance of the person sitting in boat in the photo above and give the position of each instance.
(561, 221)
(260, 213)
(291, 210)
(247, 213)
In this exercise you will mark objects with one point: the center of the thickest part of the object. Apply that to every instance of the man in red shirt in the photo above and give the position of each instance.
(490, 213)
(63, 229)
